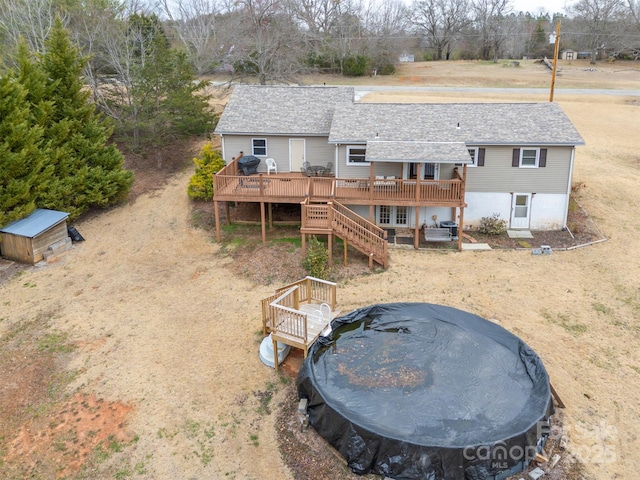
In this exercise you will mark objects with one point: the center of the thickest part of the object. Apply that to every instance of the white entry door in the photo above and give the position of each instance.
(520, 210)
(296, 153)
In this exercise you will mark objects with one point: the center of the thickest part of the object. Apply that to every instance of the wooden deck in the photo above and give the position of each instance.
(298, 313)
(295, 188)
(323, 200)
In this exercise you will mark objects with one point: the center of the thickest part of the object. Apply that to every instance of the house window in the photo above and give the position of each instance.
(473, 153)
(529, 157)
(384, 215)
(357, 156)
(429, 171)
(393, 216)
(401, 215)
(259, 147)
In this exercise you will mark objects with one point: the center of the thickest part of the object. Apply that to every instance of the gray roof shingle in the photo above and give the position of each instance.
(411, 151)
(480, 123)
(282, 110)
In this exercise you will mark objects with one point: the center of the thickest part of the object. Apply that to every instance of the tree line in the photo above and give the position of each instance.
(275, 40)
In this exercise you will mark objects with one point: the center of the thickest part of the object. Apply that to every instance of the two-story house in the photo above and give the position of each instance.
(396, 165)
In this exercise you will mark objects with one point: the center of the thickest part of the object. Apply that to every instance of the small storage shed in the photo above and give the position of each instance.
(35, 237)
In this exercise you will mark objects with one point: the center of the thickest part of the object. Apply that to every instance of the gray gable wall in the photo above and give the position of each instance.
(282, 110)
(479, 123)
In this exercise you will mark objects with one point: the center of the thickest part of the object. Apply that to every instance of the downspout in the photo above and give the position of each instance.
(222, 145)
(566, 210)
(335, 159)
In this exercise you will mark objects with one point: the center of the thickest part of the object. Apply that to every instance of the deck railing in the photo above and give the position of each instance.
(288, 319)
(307, 290)
(360, 232)
(366, 236)
(272, 188)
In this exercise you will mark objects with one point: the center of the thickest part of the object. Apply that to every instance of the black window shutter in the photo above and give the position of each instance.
(480, 161)
(542, 161)
(515, 160)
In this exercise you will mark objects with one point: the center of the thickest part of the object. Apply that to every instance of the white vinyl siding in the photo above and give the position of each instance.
(547, 211)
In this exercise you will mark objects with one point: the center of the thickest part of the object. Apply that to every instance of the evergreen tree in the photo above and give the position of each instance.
(88, 171)
(23, 170)
(166, 99)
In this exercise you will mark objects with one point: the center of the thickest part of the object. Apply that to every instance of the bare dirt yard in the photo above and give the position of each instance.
(135, 354)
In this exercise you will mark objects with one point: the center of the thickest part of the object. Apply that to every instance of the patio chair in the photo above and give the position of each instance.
(306, 169)
(329, 167)
(271, 166)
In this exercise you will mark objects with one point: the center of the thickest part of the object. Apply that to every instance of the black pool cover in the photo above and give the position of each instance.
(415, 390)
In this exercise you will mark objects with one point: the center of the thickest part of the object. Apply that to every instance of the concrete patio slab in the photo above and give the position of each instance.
(475, 246)
(519, 234)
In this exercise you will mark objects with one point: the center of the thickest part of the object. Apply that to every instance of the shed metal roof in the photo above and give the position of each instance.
(39, 221)
(471, 123)
(415, 152)
(281, 110)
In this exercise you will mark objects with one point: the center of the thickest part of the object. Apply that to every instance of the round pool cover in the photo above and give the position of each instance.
(415, 390)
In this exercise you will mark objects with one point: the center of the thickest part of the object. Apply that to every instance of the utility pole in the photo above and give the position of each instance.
(555, 61)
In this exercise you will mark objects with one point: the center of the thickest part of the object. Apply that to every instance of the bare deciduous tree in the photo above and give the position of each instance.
(260, 39)
(31, 19)
(600, 21)
(491, 23)
(439, 21)
(195, 23)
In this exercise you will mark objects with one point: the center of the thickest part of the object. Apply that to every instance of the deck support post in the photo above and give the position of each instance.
(330, 247)
(462, 205)
(227, 211)
(416, 229)
(275, 353)
(262, 222)
(346, 246)
(270, 207)
(460, 229)
(216, 213)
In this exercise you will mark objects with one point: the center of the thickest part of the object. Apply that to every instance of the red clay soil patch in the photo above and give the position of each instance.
(58, 445)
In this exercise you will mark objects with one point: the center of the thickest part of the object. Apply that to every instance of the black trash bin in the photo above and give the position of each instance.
(452, 226)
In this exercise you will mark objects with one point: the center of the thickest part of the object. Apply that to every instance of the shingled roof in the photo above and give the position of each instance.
(282, 110)
(412, 151)
(471, 123)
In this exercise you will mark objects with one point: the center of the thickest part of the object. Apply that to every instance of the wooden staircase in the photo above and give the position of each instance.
(333, 218)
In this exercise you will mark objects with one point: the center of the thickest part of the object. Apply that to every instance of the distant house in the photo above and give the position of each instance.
(403, 165)
(568, 55)
(35, 237)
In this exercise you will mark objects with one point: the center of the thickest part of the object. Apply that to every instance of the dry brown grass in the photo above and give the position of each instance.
(160, 320)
